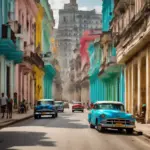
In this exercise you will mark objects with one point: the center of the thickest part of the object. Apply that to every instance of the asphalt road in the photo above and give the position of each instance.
(70, 131)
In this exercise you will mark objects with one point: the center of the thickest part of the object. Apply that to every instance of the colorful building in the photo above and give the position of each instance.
(27, 84)
(85, 64)
(47, 29)
(111, 73)
(10, 53)
(97, 89)
(133, 51)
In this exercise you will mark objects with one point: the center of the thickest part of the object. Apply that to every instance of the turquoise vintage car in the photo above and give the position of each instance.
(45, 107)
(109, 114)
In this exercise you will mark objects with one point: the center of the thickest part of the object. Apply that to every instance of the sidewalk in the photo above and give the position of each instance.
(15, 118)
(144, 128)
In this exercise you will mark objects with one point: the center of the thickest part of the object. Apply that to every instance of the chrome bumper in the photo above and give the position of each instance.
(44, 113)
(116, 126)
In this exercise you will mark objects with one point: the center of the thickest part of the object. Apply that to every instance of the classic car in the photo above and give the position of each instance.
(108, 114)
(59, 106)
(45, 107)
(77, 106)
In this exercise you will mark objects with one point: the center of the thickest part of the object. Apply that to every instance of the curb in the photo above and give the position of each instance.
(138, 132)
(15, 121)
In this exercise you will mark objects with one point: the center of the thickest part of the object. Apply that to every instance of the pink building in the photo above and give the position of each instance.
(25, 12)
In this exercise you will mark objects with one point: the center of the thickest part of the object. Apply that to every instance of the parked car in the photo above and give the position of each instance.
(59, 106)
(45, 107)
(66, 105)
(77, 106)
(108, 114)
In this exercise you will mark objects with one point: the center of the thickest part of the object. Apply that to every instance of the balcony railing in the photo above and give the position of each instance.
(7, 33)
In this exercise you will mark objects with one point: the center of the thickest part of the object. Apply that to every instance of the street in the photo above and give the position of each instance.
(70, 131)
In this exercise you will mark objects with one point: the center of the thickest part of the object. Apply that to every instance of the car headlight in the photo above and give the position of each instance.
(103, 116)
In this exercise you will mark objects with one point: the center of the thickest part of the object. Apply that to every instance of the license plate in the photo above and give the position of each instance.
(43, 113)
(119, 125)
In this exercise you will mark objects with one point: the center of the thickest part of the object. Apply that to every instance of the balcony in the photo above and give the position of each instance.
(121, 6)
(135, 35)
(8, 46)
(34, 58)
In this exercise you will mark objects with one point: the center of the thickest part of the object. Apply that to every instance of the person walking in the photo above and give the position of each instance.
(3, 104)
(9, 106)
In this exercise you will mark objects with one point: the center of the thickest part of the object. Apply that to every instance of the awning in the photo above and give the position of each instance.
(10, 51)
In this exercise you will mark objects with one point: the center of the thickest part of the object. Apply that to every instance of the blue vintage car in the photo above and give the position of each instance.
(59, 106)
(109, 114)
(45, 107)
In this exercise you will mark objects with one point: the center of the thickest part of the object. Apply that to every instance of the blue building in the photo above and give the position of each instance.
(106, 76)
(10, 53)
(111, 73)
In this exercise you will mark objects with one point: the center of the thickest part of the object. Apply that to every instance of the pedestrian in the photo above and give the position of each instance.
(3, 104)
(9, 106)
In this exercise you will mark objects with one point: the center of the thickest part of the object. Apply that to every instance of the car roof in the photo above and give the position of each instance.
(46, 100)
(108, 102)
(58, 101)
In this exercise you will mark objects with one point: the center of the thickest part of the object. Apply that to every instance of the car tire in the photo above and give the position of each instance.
(56, 115)
(129, 131)
(83, 111)
(92, 126)
(35, 117)
(53, 116)
(99, 128)
(73, 111)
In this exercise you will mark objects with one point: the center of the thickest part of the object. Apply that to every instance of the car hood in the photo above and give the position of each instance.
(115, 114)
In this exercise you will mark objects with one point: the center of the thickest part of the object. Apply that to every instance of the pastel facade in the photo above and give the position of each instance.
(27, 85)
(10, 53)
(111, 73)
(133, 50)
(47, 28)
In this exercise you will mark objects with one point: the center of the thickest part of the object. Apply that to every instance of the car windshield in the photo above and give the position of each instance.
(59, 103)
(77, 103)
(45, 102)
(110, 106)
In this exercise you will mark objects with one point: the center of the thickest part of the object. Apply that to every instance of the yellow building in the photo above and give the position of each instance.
(38, 69)
(39, 74)
(39, 28)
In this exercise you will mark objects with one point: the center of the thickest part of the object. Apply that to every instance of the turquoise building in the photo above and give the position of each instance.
(105, 75)
(97, 90)
(111, 73)
(10, 53)
(47, 25)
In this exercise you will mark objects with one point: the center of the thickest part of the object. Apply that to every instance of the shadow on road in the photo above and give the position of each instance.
(64, 120)
(10, 140)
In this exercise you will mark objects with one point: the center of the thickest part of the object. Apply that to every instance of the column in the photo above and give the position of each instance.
(2, 71)
(12, 71)
(132, 88)
(126, 88)
(148, 85)
(139, 85)
(129, 90)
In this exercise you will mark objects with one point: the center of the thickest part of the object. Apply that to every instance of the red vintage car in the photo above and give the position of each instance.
(77, 106)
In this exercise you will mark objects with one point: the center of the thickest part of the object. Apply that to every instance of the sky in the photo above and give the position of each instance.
(83, 5)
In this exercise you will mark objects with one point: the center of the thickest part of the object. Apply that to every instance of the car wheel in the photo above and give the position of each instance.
(35, 117)
(99, 127)
(73, 111)
(92, 126)
(39, 116)
(129, 131)
(53, 116)
(56, 115)
(83, 111)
